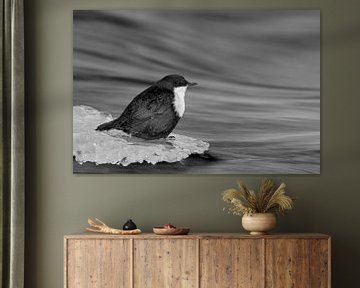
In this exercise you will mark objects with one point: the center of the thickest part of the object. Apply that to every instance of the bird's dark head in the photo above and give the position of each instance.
(174, 81)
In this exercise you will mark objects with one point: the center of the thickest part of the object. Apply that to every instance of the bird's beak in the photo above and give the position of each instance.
(190, 84)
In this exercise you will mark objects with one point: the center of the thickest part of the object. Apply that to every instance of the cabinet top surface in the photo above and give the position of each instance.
(87, 235)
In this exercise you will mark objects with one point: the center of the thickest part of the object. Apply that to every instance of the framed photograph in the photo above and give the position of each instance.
(199, 92)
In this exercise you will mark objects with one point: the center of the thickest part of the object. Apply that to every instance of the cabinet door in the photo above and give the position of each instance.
(165, 263)
(98, 263)
(287, 263)
(320, 263)
(231, 263)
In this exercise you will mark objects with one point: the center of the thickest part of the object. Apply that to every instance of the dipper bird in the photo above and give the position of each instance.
(154, 113)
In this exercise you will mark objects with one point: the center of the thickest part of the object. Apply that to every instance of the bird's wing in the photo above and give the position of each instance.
(147, 106)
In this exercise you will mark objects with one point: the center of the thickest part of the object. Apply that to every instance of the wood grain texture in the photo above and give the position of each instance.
(165, 263)
(197, 260)
(88, 235)
(231, 263)
(287, 263)
(66, 262)
(98, 263)
(319, 263)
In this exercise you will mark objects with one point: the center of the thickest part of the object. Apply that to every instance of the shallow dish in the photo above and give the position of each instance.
(171, 231)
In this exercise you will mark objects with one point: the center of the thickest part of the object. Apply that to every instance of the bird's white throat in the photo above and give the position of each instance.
(179, 100)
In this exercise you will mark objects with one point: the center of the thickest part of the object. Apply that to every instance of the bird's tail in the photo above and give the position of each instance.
(106, 126)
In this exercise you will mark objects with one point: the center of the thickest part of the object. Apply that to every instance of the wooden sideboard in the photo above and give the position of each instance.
(197, 260)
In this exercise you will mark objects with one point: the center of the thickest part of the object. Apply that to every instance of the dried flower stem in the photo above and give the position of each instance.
(245, 201)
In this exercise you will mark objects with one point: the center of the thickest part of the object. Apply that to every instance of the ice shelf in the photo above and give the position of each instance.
(117, 147)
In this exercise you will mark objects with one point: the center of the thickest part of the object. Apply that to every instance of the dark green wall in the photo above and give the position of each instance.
(59, 202)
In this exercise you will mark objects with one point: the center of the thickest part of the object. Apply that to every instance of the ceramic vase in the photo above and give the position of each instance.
(259, 223)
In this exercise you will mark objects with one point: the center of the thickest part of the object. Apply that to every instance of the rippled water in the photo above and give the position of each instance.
(258, 99)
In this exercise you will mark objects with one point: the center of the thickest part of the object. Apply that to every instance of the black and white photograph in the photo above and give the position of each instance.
(196, 92)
